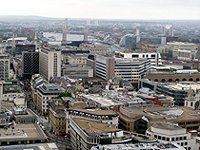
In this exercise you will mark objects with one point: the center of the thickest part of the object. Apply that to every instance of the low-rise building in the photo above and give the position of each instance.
(57, 119)
(22, 134)
(138, 119)
(45, 93)
(24, 116)
(103, 116)
(11, 90)
(86, 133)
(167, 132)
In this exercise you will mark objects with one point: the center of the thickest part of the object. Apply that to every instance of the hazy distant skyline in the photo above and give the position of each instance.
(104, 9)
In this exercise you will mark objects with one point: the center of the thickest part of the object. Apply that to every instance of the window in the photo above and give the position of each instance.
(159, 137)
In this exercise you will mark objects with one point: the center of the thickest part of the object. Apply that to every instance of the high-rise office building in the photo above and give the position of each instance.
(4, 67)
(130, 69)
(30, 63)
(49, 62)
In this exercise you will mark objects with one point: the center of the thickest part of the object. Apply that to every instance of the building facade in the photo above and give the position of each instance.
(104, 116)
(45, 93)
(85, 133)
(4, 67)
(124, 68)
(49, 62)
(30, 63)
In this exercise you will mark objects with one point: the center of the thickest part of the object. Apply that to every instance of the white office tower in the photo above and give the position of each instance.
(4, 67)
(49, 62)
(86, 31)
(171, 31)
(65, 30)
(137, 35)
(163, 40)
(35, 40)
(164, 30)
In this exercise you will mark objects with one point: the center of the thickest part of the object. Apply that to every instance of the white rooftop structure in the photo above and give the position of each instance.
(140, 146)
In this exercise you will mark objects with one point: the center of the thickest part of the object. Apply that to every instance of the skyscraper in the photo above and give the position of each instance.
(65, 30)
(4, 67)
(30, 63)
(50, 62)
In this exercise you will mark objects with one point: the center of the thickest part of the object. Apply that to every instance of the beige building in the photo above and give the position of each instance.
(103, 116)
(50, 62)
(138, 119)
(86, 133)
(45, 93)
(57, 117)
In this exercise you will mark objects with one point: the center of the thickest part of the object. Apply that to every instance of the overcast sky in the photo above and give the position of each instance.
(106, 9)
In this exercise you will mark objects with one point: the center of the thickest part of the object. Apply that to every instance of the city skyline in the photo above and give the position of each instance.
(105, 9)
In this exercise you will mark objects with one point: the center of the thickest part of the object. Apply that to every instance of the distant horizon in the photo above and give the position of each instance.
(74, 18)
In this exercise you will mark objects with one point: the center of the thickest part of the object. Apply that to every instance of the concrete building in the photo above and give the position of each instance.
(4, 67)
(24, 116)
(50, 62)
(77, 71)
(11, 91)
(167, 132)
(85, 133)
(22, 134)
(103, 116)
(36, 81)
(57, 117)
(180, 50)
(108, 67)
(45, 93)
(155, 58)
(178, 91)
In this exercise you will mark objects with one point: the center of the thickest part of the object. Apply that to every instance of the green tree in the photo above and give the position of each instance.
(65, 94)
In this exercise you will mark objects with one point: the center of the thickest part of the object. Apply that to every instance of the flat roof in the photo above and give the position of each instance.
(21, 132)
(175, 114)
(141, 146)
(185, 85)
(95, 111)
(94, 127)
(39, 146)
(167, 126)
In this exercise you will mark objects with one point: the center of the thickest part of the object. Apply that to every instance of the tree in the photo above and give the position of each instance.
(65, 94)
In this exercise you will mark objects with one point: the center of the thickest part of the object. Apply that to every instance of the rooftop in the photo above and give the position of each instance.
(95, 111)
(175, 114)
(11, 87)
(140, 146)
(21, 131)
(41, 146)
(167, 126)
(94, 127)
